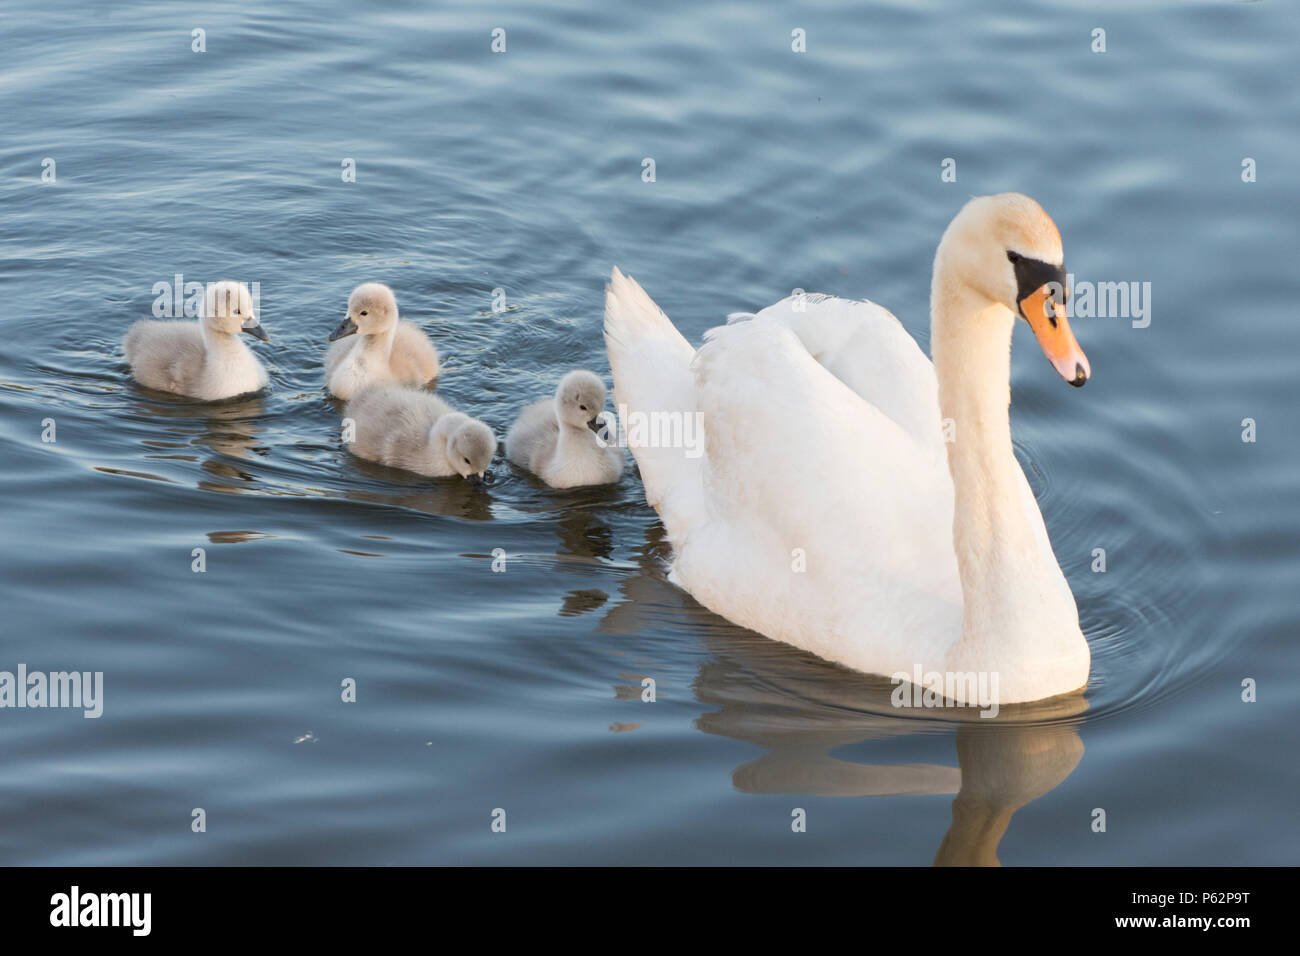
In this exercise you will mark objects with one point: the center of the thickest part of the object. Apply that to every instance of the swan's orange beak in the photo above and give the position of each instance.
(1046, 316)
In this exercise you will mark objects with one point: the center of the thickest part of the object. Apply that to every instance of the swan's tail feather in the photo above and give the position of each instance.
(653, 383)
(631, 315)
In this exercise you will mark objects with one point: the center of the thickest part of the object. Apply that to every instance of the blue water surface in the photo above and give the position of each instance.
(522, 171)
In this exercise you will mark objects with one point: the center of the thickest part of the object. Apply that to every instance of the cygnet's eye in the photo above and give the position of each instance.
(583, 407)
(236, 312)
(467, 461)
(364, 312)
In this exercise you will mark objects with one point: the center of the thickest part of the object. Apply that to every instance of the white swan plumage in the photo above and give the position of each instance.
(854, 499)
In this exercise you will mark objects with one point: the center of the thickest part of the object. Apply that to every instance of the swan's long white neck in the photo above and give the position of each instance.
(971, 342)
(1015, 602)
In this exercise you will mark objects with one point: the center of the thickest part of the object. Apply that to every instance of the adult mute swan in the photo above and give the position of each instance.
(854, 499)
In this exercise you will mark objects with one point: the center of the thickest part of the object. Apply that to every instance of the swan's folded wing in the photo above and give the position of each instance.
(867, 348)
(790, 447)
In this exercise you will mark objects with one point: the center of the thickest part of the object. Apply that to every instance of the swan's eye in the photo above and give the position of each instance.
(583, 407)
(1014, 256)
(467, 461)
(364, 312)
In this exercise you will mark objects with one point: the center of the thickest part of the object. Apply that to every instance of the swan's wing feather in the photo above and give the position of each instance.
(781, 428)
(866, 347)
(827, 521)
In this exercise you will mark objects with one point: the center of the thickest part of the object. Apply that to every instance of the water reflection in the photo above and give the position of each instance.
(799, 710)
(581, 601)
(229, 441)
(585, 534)
(236, 537)
(450, 497)
(1003, 767)
(228, 430)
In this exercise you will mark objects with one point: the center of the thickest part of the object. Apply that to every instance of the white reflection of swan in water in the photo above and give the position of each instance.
(799, 709)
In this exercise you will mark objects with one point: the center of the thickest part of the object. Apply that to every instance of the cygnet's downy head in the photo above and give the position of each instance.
(470, 447)
(579, 399)
(228, 308)
(372, 310)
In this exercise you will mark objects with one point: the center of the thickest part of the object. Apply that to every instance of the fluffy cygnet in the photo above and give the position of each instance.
(386, 350)
(418, 431)
(204, 359)
(558, 439)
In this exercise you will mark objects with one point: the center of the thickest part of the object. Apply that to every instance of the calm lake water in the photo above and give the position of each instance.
(522, 171)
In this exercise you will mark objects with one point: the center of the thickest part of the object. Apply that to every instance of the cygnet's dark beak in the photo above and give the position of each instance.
(596, 424)
(346, 327)
(476, 480)
(253, 328)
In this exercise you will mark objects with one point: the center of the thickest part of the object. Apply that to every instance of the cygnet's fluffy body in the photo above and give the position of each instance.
(418, 431)
(206, 359)
(557, 438)
(385, 349)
